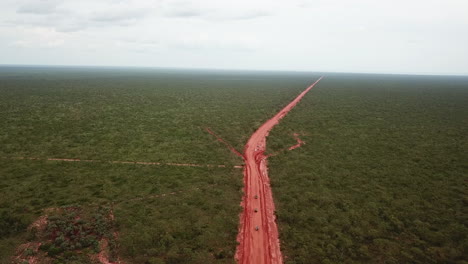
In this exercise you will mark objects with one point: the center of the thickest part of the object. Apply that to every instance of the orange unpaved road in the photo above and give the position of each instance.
(260, 246)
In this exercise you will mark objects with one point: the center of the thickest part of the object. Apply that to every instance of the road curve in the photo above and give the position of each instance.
(260, 246)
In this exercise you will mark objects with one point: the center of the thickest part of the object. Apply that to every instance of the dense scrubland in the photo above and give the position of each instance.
(382, 177)
(132, 115)
(196, 223)
(152, 115)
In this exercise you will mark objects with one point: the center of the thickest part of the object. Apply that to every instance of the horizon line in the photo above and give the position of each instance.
(231, 69)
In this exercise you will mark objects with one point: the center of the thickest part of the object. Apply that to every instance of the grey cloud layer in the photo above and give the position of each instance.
(337, 35)
(58, 15)
(39, 7)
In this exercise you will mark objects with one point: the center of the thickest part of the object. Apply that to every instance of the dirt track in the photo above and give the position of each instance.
(124, 162)
(262, 245)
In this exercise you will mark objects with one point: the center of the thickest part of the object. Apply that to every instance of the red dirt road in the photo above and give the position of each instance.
(260, 246)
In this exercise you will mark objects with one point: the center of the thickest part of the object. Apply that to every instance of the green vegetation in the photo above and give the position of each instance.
(71, 235)
(136, 115)
(382, 176)
(200, 219)
(133, 115)
(72, 230)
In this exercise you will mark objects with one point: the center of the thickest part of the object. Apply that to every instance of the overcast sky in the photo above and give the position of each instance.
(398, 36)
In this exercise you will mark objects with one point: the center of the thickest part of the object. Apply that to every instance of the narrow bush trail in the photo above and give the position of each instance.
(258, 233)
(229, 146)
(125, 162)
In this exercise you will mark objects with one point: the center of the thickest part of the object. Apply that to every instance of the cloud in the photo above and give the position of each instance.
(183, 13)
(140, 46)
(119, 14)
(208, 10)
(74, 16)
(39, 7)
(249, 15)
(58, 22)
(202, 42)
(39, 37)
(21, 43)
(296, 34)
(72, 19)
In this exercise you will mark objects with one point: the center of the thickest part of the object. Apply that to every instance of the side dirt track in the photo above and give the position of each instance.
(258, 233)
(124, 162)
